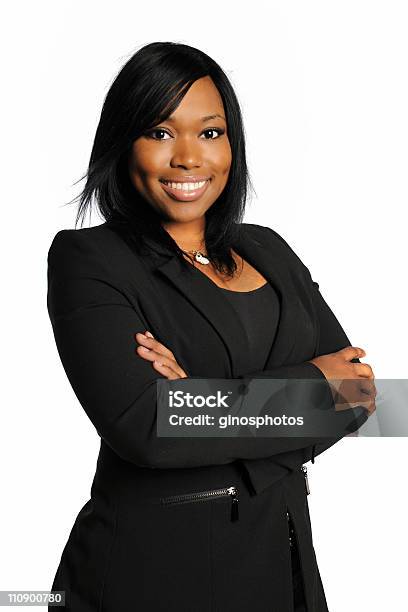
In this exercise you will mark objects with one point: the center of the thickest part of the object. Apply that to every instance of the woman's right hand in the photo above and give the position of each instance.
(352, 382)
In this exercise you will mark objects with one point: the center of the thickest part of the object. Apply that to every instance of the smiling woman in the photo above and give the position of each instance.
(180, 126)
(185, 158)
(204, 295)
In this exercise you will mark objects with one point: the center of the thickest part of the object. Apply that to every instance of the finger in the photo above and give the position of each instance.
(352, 352)
(354, 390)
(372, 407)
(361, 390)
(160, 346)
(165, 370)
(151, 355)
(369, 407)
(153, 344)
(364, 370)
(368, 387)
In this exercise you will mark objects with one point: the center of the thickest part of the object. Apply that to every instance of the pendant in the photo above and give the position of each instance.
(202, 259)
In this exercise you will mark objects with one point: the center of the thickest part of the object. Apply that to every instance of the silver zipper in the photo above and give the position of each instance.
(205, 496)
(304, 470)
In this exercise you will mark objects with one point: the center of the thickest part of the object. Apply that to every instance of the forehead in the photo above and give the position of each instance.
(202, 99)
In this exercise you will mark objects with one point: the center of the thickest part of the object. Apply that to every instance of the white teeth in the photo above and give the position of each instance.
(186, 186)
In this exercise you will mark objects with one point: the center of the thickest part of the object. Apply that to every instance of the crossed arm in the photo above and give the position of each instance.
(94, 327)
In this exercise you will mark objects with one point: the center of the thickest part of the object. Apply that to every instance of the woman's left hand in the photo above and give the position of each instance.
(161, 357)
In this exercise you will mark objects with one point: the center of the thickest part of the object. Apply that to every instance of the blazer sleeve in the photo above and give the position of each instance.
(94, 325)
(332, 338)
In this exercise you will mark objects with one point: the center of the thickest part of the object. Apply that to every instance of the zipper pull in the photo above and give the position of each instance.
(234, 503)
(304, 470)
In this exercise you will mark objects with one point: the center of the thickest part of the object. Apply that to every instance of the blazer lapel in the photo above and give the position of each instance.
(214, 306)
(203, 293)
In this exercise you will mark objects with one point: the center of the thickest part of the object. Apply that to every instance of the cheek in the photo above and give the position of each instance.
(224, 157)
(145, 163)
(223, 160)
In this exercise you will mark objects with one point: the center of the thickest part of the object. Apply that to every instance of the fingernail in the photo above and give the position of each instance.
(140, 334)
(149, 334)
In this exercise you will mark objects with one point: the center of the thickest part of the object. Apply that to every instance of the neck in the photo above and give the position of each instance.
(189, 235)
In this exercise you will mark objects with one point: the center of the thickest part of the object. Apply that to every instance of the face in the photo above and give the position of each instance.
(181, 166)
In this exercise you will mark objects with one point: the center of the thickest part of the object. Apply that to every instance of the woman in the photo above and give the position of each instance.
(173, 285)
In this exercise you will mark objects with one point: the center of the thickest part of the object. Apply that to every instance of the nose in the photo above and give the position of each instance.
(186, 154)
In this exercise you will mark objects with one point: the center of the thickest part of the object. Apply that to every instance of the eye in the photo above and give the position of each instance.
(213, 133)
(158, 134)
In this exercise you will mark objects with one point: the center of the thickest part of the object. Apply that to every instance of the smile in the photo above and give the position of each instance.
(185, 192)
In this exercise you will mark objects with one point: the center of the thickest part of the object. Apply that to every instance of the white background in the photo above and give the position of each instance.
(323, 88)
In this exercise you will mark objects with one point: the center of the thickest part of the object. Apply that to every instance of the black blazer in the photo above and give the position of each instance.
(100, 293)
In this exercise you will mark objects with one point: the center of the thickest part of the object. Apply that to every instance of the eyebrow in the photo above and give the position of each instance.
(209, 117)
(203, 119)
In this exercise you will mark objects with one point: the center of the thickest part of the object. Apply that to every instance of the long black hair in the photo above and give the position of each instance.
(148, 88)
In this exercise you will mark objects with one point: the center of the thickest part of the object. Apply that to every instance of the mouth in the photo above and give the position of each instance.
(185, 191)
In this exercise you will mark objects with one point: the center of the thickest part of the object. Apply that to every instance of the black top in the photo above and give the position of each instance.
(259, 312)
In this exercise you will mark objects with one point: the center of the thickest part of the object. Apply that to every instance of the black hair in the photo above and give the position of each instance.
(147, 89)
